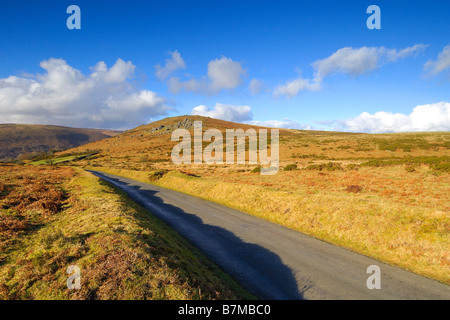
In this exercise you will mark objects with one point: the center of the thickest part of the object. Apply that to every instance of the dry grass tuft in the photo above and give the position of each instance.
(354, 189)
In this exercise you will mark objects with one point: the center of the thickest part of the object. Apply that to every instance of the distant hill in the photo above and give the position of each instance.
(25, 140)
(152, 143)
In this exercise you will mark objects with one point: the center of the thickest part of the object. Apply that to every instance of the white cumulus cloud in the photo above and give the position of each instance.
(292, 88)
(223, 74)
(225, 112)
(441, 64)
(429, 117)
(350, 61)
(63, 95)
(358, 61)
(244, 114)
(173, 64)
(284, 124)
(256, 86)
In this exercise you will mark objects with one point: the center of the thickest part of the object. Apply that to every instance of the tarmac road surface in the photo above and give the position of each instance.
(271, 261)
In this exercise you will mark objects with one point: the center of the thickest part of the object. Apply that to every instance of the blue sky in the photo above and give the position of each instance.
(297, 64)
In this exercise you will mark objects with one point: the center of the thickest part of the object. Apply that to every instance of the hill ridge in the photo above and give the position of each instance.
(28, 140)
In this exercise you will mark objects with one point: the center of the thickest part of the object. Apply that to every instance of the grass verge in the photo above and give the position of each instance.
(122, 251)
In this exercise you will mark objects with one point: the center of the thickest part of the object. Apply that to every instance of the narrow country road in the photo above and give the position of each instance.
(269, 260)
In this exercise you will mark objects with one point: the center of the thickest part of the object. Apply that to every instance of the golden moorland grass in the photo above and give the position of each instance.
(377, 221)
(53, 217)
(386, 196)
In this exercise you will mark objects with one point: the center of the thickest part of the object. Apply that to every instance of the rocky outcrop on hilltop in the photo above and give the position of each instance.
(166, 129)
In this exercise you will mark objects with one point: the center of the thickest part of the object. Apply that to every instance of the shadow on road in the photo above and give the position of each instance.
(256, 268)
